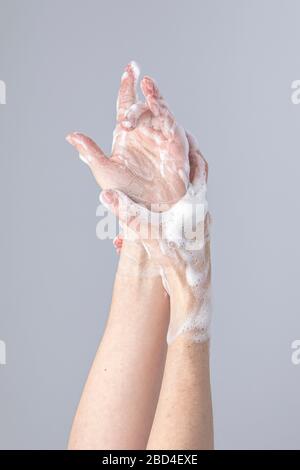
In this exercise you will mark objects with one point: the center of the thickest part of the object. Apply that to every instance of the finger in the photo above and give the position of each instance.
(158, 106)
(131, 215)
(134, 113)
(103, 168)
(118, 242)
(198, 164)
(89, 151)
(152, 94)
(127, 93)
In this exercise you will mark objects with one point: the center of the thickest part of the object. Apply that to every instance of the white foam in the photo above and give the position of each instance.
(83, 159)
(178, 234)
(186, 247)
(135, 68)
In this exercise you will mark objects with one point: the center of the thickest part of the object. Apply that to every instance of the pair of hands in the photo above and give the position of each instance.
(154, 162)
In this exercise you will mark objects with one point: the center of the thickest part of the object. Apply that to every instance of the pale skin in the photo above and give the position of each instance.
(118, 404)
(142, 393)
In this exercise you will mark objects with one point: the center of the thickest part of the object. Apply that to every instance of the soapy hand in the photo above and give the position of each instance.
(154, 181)
(178, 247)
(149, 160)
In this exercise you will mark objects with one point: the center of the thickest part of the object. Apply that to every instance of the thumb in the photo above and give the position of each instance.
(89, 151)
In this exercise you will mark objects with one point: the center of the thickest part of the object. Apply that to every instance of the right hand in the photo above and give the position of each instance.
(149, 160)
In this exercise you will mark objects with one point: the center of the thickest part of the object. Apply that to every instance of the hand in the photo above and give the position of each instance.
(152, 162)
(181, 256)
(149, 160)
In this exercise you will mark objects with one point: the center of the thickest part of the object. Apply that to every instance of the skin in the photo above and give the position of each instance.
(184, 418)
(119, 399)
(173, 261)
(135, 165)
(141, 393)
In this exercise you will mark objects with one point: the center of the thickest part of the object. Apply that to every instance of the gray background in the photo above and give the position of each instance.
(226, 69)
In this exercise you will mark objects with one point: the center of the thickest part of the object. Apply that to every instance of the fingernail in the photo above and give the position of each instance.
(135, 68)
(148, 83)
(74, 137)
(107, 197)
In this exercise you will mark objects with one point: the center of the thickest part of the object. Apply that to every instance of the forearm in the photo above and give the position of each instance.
(183, 418)
(154, 163)
(120, 397)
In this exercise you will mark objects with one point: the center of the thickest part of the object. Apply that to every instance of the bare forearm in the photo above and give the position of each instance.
(183, 418)
(120, 397)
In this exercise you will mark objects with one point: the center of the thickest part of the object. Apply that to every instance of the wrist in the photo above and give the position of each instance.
(134, 260)
(189, 308)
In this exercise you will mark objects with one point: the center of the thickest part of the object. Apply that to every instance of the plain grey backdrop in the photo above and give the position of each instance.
(226, 69)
